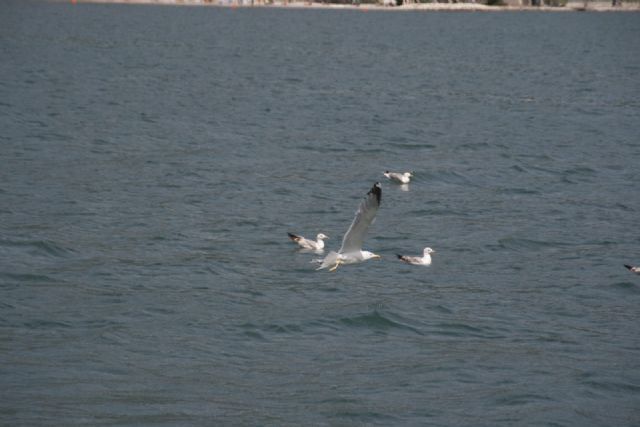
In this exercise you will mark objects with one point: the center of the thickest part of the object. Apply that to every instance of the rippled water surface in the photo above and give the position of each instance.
(153, 159)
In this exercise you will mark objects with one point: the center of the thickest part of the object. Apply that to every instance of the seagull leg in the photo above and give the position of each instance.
(335, 267)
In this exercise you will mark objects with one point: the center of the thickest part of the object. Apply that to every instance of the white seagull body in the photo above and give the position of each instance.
(633, 269)
(317, 245)
(425, 259)
(351, 251)
(400, 178)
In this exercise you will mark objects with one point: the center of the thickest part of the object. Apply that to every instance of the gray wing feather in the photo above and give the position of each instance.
(353, 239)
(329, 261)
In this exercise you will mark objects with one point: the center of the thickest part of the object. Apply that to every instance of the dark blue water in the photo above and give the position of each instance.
(153, 159)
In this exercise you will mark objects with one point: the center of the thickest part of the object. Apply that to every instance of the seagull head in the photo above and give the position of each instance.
(370, 255)
(321, 236)
(428, 251)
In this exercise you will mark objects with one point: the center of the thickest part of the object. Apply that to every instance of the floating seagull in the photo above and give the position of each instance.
(425, 259)
(318, 245)
(400, 178)
(633, 269)
(351, 251)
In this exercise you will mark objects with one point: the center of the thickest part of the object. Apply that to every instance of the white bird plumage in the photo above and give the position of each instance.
(351, 251)
(317, 245)
(400, 178)
(425, 259)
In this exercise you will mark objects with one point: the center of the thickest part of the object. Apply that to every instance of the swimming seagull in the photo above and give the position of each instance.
(400, 178)
(425, 259)
(316, 245)
(633, 269)
(351, 251)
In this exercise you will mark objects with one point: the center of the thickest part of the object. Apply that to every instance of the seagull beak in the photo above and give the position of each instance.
(376, 256)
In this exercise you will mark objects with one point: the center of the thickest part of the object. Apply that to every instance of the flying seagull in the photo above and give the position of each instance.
(316, 245)
(351, 251)
(425, 259)
(633, 269)
(400, 178)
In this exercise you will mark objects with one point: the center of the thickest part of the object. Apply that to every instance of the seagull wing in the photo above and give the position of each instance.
(352, 240)
(410, 259)
(329, 261)
(633, 269)
(295, 237)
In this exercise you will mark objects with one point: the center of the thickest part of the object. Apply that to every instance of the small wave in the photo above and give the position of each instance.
(473, 146)
(261, 332)
(246, 222)
(374, 320)
(323, 149)
(38, 247)
(518, 191)
(409, 145)
(46, 324)
(522, 399)
(518, 168)
(623, 207)
(363, 417)
(26, 277)
(580, 170)
(436, 211)
(463, 330)
(376, 150)
(578, 174)
(447, 177)
(612, 386)
(282, 191)
(627, 287)
(515, 243)
(442, 309)
(377, 321)
(293, 80)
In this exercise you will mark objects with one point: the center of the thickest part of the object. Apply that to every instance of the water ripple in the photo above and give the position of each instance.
(44, 248)
(379, 322)
(146, 276)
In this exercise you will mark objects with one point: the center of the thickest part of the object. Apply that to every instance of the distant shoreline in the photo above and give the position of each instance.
(572, 6)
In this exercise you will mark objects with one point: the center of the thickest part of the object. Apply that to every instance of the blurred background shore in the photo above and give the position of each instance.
(408, 5)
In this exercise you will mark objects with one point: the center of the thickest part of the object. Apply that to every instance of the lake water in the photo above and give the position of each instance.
(153, 159)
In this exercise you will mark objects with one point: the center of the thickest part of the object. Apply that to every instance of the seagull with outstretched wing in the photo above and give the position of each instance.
(351, 251)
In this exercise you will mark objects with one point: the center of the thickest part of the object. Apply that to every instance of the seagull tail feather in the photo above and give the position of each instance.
(329, 261)
(293, 237)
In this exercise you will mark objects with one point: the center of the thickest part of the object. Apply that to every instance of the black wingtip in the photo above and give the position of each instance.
(377, 190)
(399, 256)
(292, 236)
(628, 266)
